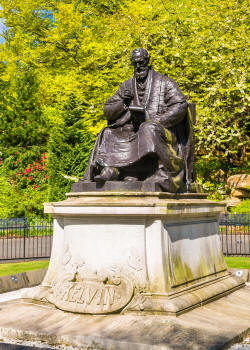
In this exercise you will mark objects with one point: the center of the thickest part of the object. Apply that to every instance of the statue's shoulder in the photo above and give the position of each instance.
(165, 79)
(170, 87)
(126, 84)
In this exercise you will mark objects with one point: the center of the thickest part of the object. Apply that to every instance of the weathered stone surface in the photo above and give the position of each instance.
(240, 193)
(26, 345)
(240, 182)
(209, 327)
(134, 204)
(135, 252)
(35, 277)
(239, 185)
(21, 280)
(244, 273)
(186, 300)
(232, 202)
(92, 296)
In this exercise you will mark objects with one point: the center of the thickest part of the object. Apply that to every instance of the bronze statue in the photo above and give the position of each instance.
(149, 134)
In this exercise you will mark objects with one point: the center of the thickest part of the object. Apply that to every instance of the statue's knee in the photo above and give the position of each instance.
(149, 127)
(107, 131)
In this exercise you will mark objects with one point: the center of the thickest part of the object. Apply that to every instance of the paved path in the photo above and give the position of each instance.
(209, 327)
(5, 346)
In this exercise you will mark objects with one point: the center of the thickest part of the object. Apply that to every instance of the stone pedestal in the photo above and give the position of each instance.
(135, 252)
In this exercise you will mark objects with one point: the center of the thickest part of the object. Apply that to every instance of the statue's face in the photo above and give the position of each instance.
(141, 67)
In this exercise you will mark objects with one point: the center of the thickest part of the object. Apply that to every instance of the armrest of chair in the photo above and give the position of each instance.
(192, 109)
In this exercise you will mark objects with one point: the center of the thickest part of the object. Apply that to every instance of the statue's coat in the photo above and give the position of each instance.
(166, 133)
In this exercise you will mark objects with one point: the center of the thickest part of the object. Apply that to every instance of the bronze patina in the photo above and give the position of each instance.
(149, 137)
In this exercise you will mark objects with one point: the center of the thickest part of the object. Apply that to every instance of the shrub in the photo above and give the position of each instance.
(242, 208)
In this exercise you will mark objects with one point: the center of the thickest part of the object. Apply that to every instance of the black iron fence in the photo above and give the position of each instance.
(23, 238)
(235, 234)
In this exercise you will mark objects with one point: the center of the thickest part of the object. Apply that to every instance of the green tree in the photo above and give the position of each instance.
(22, 124)
(69, 149)
(23, 139)
(82, 47)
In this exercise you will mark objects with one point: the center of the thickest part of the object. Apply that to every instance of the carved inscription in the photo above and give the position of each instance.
(85, 293)
(92, 297)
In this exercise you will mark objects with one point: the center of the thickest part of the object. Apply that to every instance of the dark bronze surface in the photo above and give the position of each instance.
(129, 187)
(149, 137)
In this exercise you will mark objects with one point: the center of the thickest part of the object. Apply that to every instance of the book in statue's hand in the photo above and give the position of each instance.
(138, 115)
(138, 109)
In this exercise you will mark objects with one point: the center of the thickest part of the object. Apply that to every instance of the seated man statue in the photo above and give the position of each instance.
(149, 132)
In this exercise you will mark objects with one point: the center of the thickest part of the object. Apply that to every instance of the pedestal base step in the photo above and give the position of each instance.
(208, 327)
(187, 299)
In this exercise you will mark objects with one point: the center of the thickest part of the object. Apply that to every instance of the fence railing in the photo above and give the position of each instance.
(23, 238)
(235, 234)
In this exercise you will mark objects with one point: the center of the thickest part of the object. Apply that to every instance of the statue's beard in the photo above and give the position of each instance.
(142, 75)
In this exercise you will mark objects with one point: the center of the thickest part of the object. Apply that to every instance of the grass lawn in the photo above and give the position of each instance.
(238, 262)
(13, 268)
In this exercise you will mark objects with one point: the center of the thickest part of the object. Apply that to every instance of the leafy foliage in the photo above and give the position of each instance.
(22, 139)
(23, 186)
(77, 53)
(69, 148)
(21, 112)
(242, 208)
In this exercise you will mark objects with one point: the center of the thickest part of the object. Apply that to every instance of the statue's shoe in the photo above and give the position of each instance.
(107, 174)
(130, 179)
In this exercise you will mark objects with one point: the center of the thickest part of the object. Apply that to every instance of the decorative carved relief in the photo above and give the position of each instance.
(93, 297)
(137, 303)
(134, 260)
(137, 270)
(77, 289)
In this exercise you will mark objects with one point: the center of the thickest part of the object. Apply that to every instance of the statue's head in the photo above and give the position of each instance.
(140, 60)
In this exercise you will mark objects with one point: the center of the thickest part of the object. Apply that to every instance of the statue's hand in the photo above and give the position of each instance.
(127, 96)
(157, 119)
(152, 116)
(123, 120)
